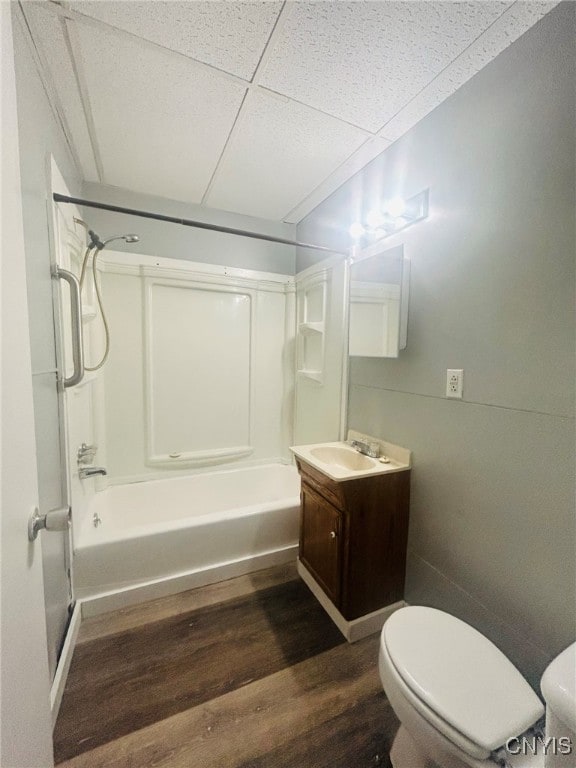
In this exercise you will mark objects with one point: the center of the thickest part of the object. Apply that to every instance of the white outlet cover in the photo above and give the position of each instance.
(454, 383)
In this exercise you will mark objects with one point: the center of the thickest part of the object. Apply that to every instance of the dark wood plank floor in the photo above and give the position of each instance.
(248, 674)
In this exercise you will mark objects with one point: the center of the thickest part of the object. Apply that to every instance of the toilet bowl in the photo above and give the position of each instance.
(460, 701)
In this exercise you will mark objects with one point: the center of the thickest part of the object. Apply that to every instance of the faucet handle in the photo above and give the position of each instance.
(374, 449)
(86, 453)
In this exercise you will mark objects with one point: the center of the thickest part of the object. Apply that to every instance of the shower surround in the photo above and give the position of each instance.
(192, 414)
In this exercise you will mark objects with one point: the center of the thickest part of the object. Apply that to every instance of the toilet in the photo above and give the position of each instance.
(461, 702)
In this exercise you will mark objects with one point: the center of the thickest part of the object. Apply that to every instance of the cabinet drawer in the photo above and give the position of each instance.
(323, 485)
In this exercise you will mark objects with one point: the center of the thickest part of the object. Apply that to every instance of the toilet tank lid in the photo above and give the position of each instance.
(559, 686)
(462, 676)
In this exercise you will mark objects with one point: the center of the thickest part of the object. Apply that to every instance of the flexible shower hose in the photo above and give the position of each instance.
(99, 300)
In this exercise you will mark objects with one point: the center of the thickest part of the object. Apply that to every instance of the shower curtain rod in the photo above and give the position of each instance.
(191, 223)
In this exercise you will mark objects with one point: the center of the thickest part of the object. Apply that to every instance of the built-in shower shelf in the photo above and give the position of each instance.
(310, 328)
(307, 373)
(311, 311)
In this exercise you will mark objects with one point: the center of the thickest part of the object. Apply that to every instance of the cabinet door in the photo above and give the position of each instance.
(320, 546)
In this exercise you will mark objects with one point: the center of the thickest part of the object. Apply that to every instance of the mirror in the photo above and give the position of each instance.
(378, 302)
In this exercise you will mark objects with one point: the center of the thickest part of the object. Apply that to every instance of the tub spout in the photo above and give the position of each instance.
(85, 472)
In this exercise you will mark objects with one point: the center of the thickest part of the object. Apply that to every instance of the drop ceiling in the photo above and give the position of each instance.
(260, 108)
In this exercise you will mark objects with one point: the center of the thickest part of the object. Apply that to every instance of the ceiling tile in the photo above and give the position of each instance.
(227, 35)
(160, 123)
(48, 36)
(162, 120)
(363, 61)
(279, 153)
(508, 28)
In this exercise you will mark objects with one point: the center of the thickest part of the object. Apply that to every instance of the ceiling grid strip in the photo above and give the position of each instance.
(30, 35)
(72, 15)
(278, 24)
(239, 116)
(82, 18)
(74, 51)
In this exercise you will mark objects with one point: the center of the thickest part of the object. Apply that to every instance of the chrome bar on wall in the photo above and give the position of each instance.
(77, 342)
(191, 223)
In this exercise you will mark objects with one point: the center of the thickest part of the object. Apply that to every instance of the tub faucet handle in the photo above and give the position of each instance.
(86, 453)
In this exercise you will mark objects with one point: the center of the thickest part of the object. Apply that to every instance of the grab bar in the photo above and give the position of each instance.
(77, 343)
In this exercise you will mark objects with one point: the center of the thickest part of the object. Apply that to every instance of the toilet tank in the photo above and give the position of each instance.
(558, 686)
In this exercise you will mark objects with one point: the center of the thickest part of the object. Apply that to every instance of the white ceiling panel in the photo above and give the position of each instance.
(505, 30)
(48, 33)
(161, 125)
(256, 106)
(280, 152)
(227, 35)
(363, 61)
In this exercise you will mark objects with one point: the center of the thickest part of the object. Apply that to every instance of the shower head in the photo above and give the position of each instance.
(127, 238)
(95, 241)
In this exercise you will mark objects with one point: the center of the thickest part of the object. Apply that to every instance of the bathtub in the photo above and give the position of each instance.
(163, 536)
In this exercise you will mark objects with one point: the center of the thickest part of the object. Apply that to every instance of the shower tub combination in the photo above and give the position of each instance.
(148, 539)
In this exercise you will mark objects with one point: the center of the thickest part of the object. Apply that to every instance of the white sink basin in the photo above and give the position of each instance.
(339, 461)
(344, 457)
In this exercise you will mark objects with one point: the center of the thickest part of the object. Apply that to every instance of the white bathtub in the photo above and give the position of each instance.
(162, 536)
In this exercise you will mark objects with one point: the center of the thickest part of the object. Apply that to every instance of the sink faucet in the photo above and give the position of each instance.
(85, 472)
(368, 449)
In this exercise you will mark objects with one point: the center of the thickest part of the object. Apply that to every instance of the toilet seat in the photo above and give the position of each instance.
(459, 680)
(388, 673)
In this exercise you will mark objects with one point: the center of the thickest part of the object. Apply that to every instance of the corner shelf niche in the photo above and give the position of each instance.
(311, 298)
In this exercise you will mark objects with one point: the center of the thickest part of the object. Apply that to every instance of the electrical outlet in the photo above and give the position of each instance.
(454, 382)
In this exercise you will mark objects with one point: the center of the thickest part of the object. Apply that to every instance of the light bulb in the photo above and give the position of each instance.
(356, 230)
(374, 218)
(396, 207)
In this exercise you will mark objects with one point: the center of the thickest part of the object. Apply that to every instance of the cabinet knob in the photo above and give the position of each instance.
(332, 534)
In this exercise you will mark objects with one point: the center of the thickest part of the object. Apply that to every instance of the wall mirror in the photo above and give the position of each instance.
(378, 302)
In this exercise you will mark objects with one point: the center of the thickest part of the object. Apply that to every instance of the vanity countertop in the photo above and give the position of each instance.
(340, 462)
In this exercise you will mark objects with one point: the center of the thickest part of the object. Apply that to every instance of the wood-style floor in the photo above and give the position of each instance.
(248, 673)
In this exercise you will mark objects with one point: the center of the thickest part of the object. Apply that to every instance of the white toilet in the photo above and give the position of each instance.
(460, 701)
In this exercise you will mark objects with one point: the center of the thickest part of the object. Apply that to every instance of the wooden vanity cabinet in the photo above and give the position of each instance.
(353, 537)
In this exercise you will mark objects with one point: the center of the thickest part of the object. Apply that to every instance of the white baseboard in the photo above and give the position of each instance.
(171, 585)
(353, 630)
(59, 682)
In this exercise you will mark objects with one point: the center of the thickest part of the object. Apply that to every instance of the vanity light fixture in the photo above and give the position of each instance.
(375, 219)
(394, 207)
(389, 217)
(357, 230)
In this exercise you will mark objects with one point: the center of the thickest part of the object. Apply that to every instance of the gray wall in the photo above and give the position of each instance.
(492, 533)
(178, 242)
